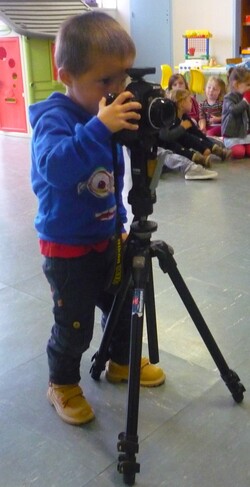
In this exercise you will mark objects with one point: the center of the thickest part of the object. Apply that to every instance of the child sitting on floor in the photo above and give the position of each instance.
(184, 137)
(236, 114)
(176, 162)
(210, 110)
(178, 82)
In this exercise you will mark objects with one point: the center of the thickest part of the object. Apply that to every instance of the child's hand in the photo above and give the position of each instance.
(246, 96)
(124, 236)
(202, 125)
(186, 124)
(121, 113)
(214, 119)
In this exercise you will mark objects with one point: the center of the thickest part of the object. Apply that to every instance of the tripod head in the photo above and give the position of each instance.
(142, 196)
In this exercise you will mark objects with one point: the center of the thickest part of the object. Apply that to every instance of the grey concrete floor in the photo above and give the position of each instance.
(191, 431)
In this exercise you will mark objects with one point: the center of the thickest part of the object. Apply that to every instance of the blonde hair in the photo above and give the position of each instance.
(177, 96)
(220, 83)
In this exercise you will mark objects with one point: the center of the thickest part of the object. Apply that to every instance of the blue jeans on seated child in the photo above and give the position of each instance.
(78, 286)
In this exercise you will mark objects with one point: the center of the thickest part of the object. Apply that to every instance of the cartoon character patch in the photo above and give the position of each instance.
(100, 184)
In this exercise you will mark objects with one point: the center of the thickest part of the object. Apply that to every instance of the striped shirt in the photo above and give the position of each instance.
(207, 111)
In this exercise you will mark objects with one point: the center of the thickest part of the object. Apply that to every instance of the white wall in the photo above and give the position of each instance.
(123, 7)
(217, 16)
(213, 15)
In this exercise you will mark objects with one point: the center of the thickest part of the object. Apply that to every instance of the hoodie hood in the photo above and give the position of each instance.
(53, 103)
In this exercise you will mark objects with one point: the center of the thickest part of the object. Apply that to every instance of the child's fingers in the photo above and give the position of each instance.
(126, 98)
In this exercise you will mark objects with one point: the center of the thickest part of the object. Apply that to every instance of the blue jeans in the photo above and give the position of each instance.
(78, 286)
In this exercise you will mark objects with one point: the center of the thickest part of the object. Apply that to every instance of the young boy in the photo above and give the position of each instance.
(73, 179)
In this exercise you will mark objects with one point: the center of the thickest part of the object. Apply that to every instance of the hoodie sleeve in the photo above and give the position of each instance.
(171, 134)
(65, 152)
(234, 105)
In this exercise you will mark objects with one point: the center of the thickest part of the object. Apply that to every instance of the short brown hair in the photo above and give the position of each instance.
(174, 78)
(238, 74)
(83, 39)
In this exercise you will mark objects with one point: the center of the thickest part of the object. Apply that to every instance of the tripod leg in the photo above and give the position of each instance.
(100, 357)
(128, 441)
(151, 318)
(168, 264)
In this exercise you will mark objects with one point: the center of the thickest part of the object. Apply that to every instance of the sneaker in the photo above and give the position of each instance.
(221, 152)
(197, 171)
(151, 375)
(70, 403)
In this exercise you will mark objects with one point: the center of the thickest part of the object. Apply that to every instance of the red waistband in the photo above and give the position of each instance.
(53, 249)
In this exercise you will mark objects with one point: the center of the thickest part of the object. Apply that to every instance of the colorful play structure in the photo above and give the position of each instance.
(197, 44)
(196, 49)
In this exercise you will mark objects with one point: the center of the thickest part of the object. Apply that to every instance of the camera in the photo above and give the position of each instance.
(156, 112)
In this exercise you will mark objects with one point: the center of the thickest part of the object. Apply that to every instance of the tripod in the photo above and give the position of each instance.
(139, 275)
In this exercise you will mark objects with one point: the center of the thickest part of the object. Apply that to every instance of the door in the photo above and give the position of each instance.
(12, 103)
(151, 30)
(237, 27)
(41, 73)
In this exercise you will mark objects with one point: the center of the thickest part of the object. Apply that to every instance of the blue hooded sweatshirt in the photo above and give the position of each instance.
(72, 174)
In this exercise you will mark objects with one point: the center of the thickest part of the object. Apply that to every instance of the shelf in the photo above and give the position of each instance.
(244, 26)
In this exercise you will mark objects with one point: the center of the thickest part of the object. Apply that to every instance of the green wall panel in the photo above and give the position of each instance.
(39, 69)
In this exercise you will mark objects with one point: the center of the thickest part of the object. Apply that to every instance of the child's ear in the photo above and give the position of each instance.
(65, 77)
(235, 84)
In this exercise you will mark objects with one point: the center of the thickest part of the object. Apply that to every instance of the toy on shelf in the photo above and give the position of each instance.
(197, 44)
(213, 62)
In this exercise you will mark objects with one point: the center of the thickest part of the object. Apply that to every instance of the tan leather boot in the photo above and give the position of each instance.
(150, 376)
(70, 403)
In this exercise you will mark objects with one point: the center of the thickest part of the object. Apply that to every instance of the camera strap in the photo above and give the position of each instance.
(116, 272)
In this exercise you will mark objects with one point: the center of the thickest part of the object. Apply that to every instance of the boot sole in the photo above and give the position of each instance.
(115, 380)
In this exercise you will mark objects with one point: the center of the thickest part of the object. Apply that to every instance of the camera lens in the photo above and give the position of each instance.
(161, 113)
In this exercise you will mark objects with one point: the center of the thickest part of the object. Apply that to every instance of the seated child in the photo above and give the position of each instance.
(185, 138)
(178, 82)
(175, 162)
(236, 113)
(210, 110)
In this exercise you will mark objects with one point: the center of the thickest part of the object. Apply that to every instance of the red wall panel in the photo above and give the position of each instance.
(12, 102)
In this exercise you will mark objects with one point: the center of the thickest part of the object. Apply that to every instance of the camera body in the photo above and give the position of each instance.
(157, 112)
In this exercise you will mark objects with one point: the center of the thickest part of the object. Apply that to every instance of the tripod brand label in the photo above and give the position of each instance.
(138, 302)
